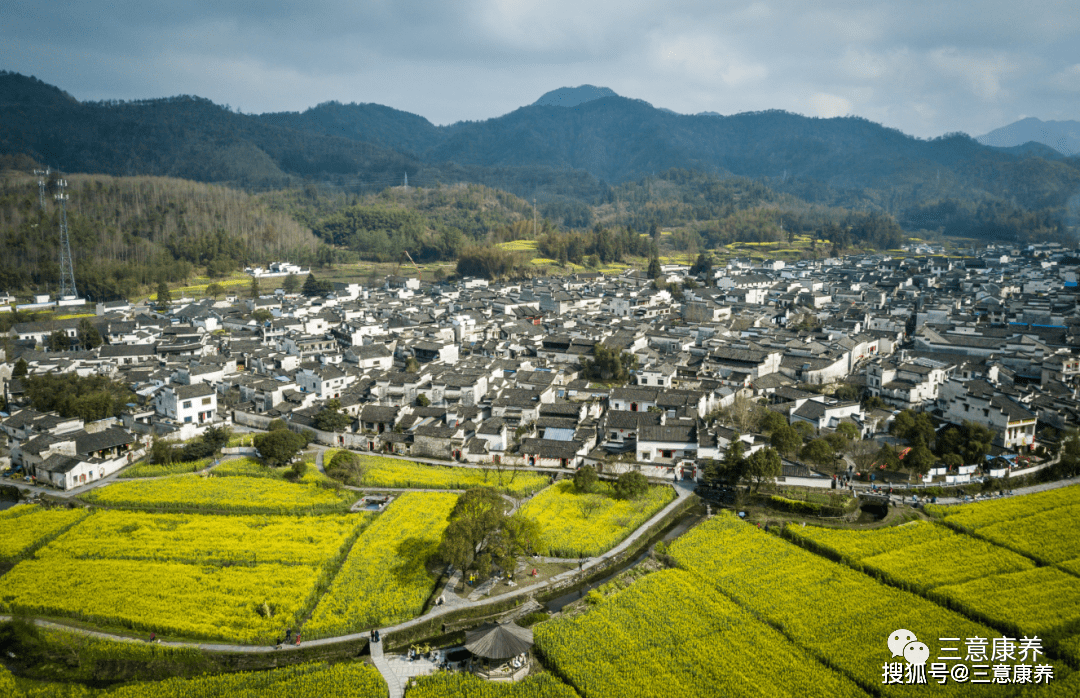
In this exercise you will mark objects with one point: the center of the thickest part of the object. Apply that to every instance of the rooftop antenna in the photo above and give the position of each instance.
(67, 268)
(41, 175)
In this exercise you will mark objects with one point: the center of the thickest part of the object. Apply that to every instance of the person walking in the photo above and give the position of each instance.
(298, 638)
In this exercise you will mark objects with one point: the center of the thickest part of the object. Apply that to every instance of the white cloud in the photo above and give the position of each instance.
(925, 66)
(827, 106)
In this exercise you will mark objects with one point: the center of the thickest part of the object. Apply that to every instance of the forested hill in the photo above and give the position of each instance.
(568, 158)
(128, 234)
(185, 136)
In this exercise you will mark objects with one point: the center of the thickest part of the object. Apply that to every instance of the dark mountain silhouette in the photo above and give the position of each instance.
(556, 154)
(184, 136)
(573, 96)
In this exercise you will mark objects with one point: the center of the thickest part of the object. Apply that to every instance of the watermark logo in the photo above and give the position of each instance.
(898, 640)
(999, 660)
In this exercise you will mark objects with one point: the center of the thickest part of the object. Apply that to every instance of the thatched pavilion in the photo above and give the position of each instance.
(500, 651)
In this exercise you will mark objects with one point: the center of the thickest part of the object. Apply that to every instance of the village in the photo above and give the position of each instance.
(515, 374)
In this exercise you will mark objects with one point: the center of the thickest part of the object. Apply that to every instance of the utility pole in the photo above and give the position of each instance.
(41, 175)
(67, 267)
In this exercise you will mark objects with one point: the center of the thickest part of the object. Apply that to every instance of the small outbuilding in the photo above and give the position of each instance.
(500, 651)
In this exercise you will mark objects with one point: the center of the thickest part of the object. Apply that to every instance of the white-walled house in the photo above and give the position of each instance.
(187, 404)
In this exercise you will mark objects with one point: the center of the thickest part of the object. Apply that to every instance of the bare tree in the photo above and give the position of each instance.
(589, 504)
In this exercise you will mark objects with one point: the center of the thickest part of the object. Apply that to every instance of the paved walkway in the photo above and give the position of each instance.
(388, 674)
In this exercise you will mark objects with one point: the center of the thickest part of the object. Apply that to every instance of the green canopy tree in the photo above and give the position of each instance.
(481, 535)
(279, 447)
(291, 284)
(919, 459)
(763, 465)
(653, 270)
(785, 439)
(585, 479)
(818, 451)
(609, 364)
(89, 337)
(331, 418)
(164, 296)
(631, 485)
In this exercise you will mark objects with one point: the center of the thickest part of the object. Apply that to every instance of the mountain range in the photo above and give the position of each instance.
(573, 143)
(1060, 136)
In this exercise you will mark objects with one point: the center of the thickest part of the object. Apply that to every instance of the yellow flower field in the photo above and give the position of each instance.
(978, 514)
(668, 635)
(385, 580)
(917, 555)
(26, 525)
(317, 680)
(391, 472)
(461, 685)
(835, 613)
(568, 531)
(232, 578)
(241, 495)
(1044, 601)
(169, 598)
(1038, 525)
(202, 539)
(156, 470)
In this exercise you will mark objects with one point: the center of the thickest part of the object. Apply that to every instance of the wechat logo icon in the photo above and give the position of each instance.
(903, 643)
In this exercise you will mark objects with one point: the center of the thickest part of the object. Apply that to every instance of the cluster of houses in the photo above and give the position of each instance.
(492, 372)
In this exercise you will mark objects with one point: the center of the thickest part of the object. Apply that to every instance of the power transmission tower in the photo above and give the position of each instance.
(67, 267)
(41, 175)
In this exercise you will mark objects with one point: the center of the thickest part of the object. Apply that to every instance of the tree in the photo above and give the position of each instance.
(744, 414)
(887, 456)
(313, 287)
(631, 485)
(585, 479)
(89, 337)
(703, 265)
(214, 290)
(977, 441)
(412, 365)
(291, 284)
(59, 341)
(609, 364)
(805, 429)
(838, 440)
(910, 426)
(279, 447)
(771, 421)
(919, 459)
(785, 439)
(849, 430)
(654, 270)
(422, 400)
(589, 504)
(348, 467)
(763, 466)
(254, 291)
(480, 534)
(818, 451)
(21, 368)
(330, 417)
(277, 425)
(164, 297)
(216, 437)
(846, 391)
(734, 460)
(262, 316)
(161, 452)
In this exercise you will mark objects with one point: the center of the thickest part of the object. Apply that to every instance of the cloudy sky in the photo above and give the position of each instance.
(927, 67)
